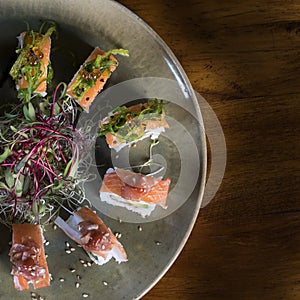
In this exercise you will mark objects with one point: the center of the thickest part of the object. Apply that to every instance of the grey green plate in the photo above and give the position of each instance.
(150, 71)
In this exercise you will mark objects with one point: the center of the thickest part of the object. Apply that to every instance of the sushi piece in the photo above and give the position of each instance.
(92, 76)
(32, 69)
(127, 125)
(87, 229)
(27, 256)
(134, 191)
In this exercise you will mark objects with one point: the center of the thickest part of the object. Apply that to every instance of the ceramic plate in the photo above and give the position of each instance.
(151, 71)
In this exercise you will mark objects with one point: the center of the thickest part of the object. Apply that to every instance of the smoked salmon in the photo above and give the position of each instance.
(88, 230)
(92, 76)
(127, 125)
(134, 191)
(32, 69)
(28, 257)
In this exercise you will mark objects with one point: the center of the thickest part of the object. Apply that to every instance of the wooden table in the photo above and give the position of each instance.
(244, 58)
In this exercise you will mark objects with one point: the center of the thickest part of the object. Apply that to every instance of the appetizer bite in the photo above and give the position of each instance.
(134, 191)
(32, 69)
(92, 76)
(87, 229)
(127, 125)
(28, 257)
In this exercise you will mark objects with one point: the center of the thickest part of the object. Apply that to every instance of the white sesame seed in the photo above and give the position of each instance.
(77, 285)
(82, 261)
(117, 156)
(33, 294)
(85, 265)
(140, 228)
(61, 279)
(85, 295)
(157, 243)
(72, 249)
(68, 251)
(67, 244)
(120, 235)
(51, 277)
(89, 264)
(41, 298)
(105, 282)
(72, 270)
(54, 226)
(78, 277)
(10, 243)
(46, 255)
(47, 243)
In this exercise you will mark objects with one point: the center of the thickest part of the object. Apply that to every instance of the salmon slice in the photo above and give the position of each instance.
(135, 128)
(88, 230)
(42, 54)
(139, 193)
(86, 99)
(28, 257)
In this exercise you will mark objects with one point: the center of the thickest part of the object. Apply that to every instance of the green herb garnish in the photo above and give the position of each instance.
(92, 70)
(29, 65)
(127, 123)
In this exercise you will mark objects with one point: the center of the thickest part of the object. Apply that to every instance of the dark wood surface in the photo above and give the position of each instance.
(244, 58)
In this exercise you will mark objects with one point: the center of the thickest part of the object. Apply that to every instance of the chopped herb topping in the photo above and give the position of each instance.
(93, 69)
(29, 65)
(129, 123)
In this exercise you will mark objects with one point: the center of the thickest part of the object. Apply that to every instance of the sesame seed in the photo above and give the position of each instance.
(67, 244)
(117, 156)
(105, 282)
(10, 243)
(47, 243)
(120, 235)
(140, 228)
(82, 261)
(41, 298)
(61, 279)
(46, 255)
(51, 277)
(85, 265)
(85, 295)
(78, 277)
(158, 243)
(89, 264)
(68, 251)
(33, 294)
(72, 249)
(54, 226)
(77, 285)
(72, 270)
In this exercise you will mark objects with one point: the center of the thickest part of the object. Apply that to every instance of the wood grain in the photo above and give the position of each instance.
(243, 57)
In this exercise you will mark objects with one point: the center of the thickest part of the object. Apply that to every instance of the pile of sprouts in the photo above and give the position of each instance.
(40, 154)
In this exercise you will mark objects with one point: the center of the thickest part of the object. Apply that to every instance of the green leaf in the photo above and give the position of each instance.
(9, 178)
(7, 152)
(67, 168)
(19, 186)
(3, 186)
(26, 112)
(31, 111)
